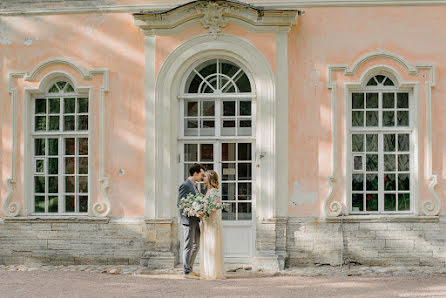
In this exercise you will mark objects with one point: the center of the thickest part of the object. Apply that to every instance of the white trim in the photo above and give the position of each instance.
(102, 208)
(166, 115)
(281, 142)
(214, 15)
(412, 130)
(13, 209)
(336, 208)
(151, 134)
(164, 110)
(162, 7)
(430, 207)
(33, 74)
(60, 135)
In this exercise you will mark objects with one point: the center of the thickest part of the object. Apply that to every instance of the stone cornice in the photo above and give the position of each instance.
(297, 4)
(214, 15)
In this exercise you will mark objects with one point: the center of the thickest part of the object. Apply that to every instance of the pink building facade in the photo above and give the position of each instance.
(323, 119)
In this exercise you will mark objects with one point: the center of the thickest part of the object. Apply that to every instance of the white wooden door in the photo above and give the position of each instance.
(233, 161)
(217, 129)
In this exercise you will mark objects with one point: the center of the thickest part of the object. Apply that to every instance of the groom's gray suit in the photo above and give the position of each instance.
(191, 227)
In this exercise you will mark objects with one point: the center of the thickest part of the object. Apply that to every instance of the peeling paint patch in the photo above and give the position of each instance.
(91, 22)
(28, 41)
(299, 197)
(3, 29)
(4, 40)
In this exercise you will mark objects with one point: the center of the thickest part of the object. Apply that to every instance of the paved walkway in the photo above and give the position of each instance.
(133, 281)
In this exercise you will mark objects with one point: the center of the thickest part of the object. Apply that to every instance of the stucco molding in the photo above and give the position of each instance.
(44, 64)
(12, 208)
(99, 209)
(389, 71)
(336, 208)
(270, 4)
(214, 15)
(212, 19)
(161, 100)
(282, 124)
(333, 208)
(102, 209)
(164, 130)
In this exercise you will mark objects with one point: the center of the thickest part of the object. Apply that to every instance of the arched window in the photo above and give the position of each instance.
(381, 148)
(217, 130)
(217, 101)
(60, 150)
(218, 76)
(380, 80)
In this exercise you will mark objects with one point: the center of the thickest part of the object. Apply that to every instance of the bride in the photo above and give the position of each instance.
(211, 240)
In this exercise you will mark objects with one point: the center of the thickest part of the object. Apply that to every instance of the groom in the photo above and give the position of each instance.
(190, 224)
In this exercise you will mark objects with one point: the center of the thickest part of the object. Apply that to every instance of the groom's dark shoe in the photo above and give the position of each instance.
(190, 276)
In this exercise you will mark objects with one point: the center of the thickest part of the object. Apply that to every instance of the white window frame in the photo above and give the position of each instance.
(217, 139)
(411, 130)
(60, 135)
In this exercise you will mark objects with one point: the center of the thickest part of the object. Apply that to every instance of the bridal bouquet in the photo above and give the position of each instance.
(198, 205)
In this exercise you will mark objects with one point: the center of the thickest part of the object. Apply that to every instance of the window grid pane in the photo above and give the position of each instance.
(380, 159)
(225, 117)
(209, 118)
(60, 152)
(236, 180)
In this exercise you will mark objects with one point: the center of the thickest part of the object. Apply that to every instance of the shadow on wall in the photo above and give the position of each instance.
(60, 243)
(368, 243)
(93, 41)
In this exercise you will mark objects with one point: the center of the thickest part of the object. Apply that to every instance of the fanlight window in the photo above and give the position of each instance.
(61, 87)
(380, 81)
(218, 76)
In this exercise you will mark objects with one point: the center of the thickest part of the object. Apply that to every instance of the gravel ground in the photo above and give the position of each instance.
(133, 281)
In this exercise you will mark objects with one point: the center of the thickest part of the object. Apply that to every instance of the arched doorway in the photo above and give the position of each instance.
(217, 129)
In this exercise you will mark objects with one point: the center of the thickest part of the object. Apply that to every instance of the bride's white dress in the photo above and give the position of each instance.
(211, 244)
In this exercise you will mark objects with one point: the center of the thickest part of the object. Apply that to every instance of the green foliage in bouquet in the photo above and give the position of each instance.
(200, 206)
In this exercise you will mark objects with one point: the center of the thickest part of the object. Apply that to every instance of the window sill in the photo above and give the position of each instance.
(159, 220)
(384, 218)
(56, 219)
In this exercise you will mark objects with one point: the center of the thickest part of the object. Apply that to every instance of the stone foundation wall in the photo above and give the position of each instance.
(298, 241)
(89, 241)
(367, 241)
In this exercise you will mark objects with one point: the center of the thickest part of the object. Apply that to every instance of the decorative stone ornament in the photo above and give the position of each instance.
(213, 19)
(214, 15)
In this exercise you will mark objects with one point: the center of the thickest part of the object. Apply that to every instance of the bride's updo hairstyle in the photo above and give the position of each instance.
(212, 178)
